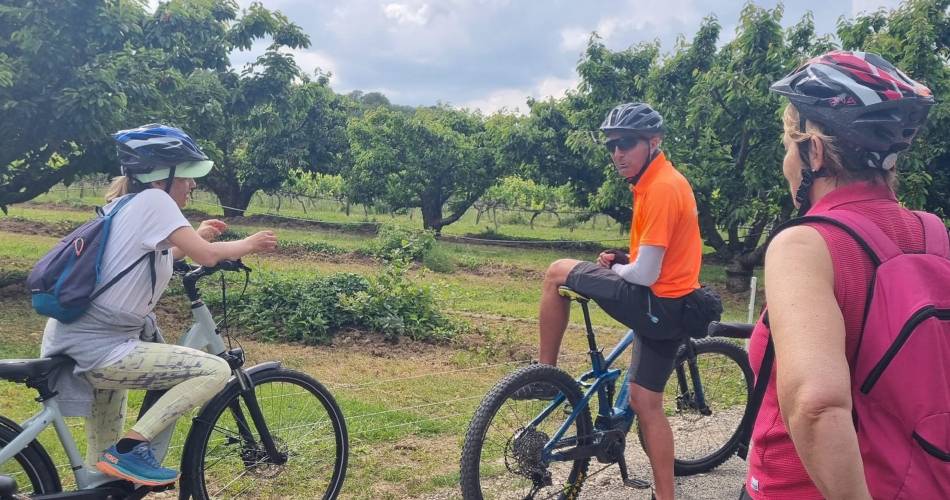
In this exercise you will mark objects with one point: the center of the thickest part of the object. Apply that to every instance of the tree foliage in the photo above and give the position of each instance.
(435, 158)
(71, 72)
(916, 38)
(723, 124)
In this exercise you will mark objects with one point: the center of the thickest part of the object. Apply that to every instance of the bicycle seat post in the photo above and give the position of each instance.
(596, 358)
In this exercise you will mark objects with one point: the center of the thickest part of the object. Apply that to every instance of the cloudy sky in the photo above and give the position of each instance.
(490, 54)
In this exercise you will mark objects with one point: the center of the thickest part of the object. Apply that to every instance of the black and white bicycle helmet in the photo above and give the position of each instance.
(634, 118)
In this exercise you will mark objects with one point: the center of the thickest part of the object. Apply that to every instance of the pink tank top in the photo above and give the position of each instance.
(775, 471)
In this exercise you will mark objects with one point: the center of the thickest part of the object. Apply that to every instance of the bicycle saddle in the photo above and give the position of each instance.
(570, 293)
(21, 370)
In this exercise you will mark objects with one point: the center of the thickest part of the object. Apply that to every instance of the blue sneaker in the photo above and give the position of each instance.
(138, 465)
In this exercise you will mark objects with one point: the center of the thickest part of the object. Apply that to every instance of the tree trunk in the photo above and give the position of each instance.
(432, 216)
(234, 200)
(738, 274)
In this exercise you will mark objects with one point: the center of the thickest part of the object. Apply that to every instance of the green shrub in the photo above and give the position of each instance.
(396, 307)
(297, 309)
(320, 247)
(396, 242)
(439, 260)
(312, 310)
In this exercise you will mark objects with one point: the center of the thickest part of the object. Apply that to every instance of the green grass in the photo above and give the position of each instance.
(403, 444)
(601, 228)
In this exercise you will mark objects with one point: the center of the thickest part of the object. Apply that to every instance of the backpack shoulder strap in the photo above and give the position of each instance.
(118, 205)
(936, 238)
(758, 395)
(865, 232)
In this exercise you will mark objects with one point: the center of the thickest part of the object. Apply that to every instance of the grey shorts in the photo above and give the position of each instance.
(654, 319)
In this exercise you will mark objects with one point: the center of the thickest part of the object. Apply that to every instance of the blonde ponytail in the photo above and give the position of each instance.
(121, 186)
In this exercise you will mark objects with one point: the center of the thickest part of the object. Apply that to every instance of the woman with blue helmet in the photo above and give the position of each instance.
(116, 344)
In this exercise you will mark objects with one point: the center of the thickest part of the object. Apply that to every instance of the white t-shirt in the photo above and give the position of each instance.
(143, 225)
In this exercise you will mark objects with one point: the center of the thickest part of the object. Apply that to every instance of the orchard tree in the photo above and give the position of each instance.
(436, 159)
(723, 127)
(736, 165)
(258, 125)
(71, 72)
(916, 38)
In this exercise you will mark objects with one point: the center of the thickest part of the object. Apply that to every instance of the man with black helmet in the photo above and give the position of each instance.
(642, 288)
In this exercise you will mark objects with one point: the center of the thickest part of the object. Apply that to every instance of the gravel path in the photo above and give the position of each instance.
(724, 482)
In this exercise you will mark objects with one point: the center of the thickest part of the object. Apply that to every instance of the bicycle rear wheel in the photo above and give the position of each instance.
(32, 468)
(704, 440)
(225, 458)
(502, 454)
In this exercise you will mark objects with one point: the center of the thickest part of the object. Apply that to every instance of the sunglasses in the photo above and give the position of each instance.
(624, 143)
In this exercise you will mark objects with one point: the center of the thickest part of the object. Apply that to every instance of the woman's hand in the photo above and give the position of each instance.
(210, 229)
(263, 241)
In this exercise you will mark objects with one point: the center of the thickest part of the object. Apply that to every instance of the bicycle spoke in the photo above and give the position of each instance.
(302, 432)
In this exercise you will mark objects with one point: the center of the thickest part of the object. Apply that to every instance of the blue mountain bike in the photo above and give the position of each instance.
(530, 449)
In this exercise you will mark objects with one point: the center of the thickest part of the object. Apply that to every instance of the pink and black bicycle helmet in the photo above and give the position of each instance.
(863, 100)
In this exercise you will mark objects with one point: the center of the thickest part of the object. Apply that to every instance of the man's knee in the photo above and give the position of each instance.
(645, 402)
(557, 272)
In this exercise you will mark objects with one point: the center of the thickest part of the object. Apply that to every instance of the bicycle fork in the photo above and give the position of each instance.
(273, 455)
(695, 399)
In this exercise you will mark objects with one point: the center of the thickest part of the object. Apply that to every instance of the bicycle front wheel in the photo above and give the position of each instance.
(705, 438)
(503, 452)
(227, 458)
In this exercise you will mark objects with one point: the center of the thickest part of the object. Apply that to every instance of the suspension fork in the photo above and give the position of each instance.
(699, 395)
(250, 400)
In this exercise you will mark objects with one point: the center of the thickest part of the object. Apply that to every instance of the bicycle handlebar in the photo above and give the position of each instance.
(193, 272)
(731, 330)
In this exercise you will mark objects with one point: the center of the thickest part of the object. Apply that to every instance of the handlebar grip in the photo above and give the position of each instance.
(230, 265)
(731, 330)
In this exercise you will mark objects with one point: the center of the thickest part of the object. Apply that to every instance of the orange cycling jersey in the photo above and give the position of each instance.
(665, 215)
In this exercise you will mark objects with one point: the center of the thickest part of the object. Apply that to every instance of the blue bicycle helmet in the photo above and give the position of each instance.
(155, 152)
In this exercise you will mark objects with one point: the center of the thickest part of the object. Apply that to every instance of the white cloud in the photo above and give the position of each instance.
(859, 6)
(515, 100)
(632, 20)
(574, 39)
(657, 14)
(309, 60)
(405, 14)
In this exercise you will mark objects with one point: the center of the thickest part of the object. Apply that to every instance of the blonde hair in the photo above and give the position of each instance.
(121, 186)
(834, 161)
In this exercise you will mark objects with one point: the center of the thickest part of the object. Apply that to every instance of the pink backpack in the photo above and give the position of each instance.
(900, 377)
(901, 372)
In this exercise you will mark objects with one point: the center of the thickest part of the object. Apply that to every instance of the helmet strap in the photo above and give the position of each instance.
(646, 164)
(803, 194)
(169, 180)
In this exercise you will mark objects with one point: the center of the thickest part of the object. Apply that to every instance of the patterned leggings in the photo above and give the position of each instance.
(192, 378)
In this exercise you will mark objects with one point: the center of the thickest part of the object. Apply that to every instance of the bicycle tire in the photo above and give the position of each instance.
(472, 450)
(33, 462)
(215, 423)
(710, 353)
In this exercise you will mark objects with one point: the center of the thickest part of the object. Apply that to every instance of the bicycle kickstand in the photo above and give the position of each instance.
(629, 482)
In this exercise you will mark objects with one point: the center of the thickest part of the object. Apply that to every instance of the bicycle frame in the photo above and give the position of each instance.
(202, 335)
(602, 375)
(599, 379)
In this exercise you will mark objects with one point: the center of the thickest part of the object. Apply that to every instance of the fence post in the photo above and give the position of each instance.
(750, 318)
